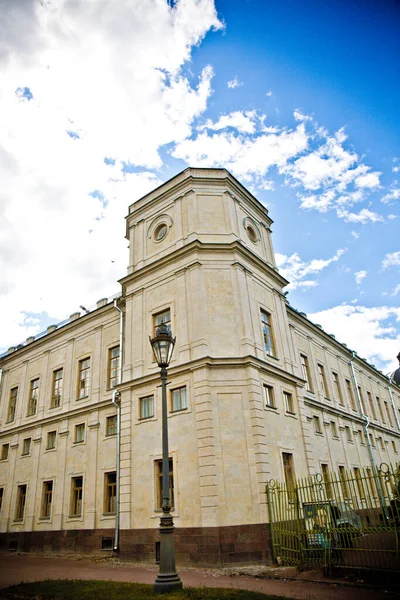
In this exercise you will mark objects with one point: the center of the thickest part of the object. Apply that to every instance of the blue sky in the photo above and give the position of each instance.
(298, 100)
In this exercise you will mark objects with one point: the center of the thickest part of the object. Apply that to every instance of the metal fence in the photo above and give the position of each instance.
(347, 518)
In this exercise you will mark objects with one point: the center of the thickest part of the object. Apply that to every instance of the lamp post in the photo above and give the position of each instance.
(167, 579)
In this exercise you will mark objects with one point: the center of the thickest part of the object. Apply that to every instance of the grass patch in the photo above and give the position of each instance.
(115, 590)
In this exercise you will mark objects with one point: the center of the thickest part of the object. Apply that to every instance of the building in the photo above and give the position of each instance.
(256, 391)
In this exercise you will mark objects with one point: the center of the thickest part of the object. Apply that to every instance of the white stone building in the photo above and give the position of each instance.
(256, 391)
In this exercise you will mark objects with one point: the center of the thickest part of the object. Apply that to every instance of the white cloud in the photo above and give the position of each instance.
(392, 195)
(269, 94)
(369, 180)
(392, 259)
(364, 216)
(299, 116)
(111, 75)
(234, 83)
(371, 332)
(396, 290)
(355, 234)
(359, 276)
(243, 121)
(295, 270)
(395, 169)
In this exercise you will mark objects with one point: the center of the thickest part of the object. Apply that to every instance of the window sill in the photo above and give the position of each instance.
(25, 455)
(18, 521)
(54, 407)
(146, 418)
(291, 414)
(50, 449)
(77, 443)
(178, 410)
(319, 433)
(271, 356)
(82, 398)
(44, 519)
(270, 408)
(110, 435)
(336, 437)
(75, 517)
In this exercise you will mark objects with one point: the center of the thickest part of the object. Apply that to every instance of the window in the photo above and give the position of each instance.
(51, 440)
(57, 388)
(21, 499)
(327, 480)
(162, 317)
(33, 397)
(1, 497)
(288, 471)
(84, 378)
(348, 433)
(267, 333)
(113, 366)
(159, 478)
(178, 399)
(322, 380)
(76, 496)
(394, 447)
(334, 429)
(317, 425)
(371, 439)
(269, 398)
(382, 443)
(350, 394)
(360, 395)
(111, 425)
(371, 405)
(12, 405)
(4, 451)
(343, 482)
(47, 497)
(362, 437)
(146, 407)
(305, 368)
(110, 492)
(378, 402)
(26, 446)
(288, 401)
(371, 482)
(337, 388)
(389, 416)
(79, 433)
(359, 482)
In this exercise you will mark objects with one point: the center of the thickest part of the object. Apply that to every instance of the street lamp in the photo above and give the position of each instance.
(167, 579)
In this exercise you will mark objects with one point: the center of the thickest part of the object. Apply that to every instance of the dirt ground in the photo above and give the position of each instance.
(18, 568)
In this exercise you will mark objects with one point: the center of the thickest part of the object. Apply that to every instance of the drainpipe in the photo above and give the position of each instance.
(366, 426)
(116, 400)
(392, 401)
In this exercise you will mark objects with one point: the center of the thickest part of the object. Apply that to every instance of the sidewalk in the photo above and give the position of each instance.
(18, 568)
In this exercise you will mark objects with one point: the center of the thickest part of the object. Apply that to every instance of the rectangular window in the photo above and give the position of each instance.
(389, 416)
(12, 405)
(362, 437)
(79, 433)
(350, 394)
(360, 395)
(47, 497)
(1, 497)
(159, 479)
(51, 440)
(56, 394)
(267, 333)
(33, 397)
(4, 451)
(288, 401)
(322, 380)
(371, 405)
(317, 425)
(334, 429)
(21, 499)
(348, 433)
(111, 425)
(378, 402)
(371, 482)
(269, 399)
(327, 480)
(343, 482)
(360, 487)
(382, 443)
(146, 407)
(162, 317)
(337, 388)
(110, 492)
(26, 446)
(394, 447)
(76, 496)
(113, 366)
(288, 471)
(178, 397)
(84, 378)
(371, 439)
(305, 369)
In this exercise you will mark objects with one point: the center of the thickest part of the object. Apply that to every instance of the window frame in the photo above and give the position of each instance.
(267, 333)
(350, 395)
(183, 403)
(149, 402)
(76, 500)
(269, 396)
(79, 427)
(20, 504)
(110, 499)
(5, 451)
(317, 425)
(46, 502)
(335, 433)
(12, 404)
(158, 483)
(113, 364)
(49, 433)
(57, 388)
(336, 384)
(26, 446)
(305, 367)
(322, 380)
(109, 419)
(289, 475)
(83, 391)
(167, 322)
(33, 397)
(288, 402)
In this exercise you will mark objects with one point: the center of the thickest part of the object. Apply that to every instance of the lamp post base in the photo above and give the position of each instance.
(167, 582)
(168, 579)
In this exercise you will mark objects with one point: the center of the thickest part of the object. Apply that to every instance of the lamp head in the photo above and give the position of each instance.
(163, 345)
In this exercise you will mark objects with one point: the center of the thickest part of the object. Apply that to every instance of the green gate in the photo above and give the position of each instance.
(348, 518)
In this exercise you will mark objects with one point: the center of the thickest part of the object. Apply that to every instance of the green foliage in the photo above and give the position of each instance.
(104, 590)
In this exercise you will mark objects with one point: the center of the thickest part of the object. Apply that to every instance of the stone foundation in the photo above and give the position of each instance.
(193, 545)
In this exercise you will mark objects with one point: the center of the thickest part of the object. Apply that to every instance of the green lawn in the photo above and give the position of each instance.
(114, 590)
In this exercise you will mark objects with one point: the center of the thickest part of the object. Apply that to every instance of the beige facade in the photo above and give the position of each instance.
(253, 384)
